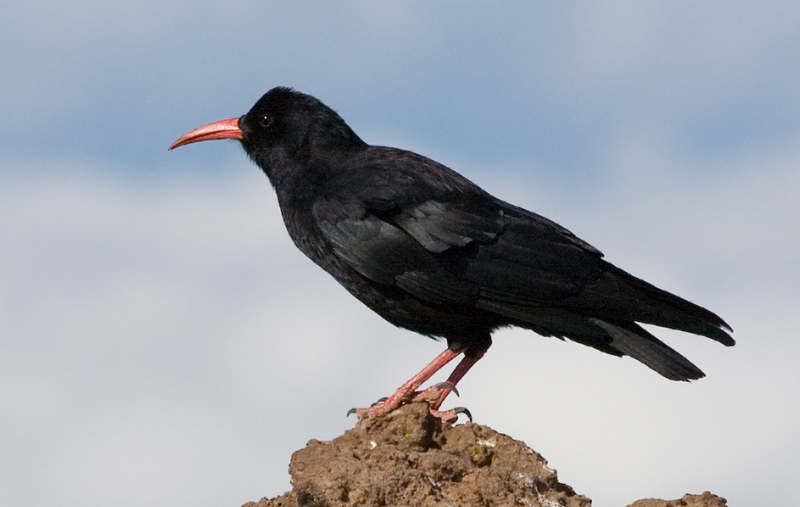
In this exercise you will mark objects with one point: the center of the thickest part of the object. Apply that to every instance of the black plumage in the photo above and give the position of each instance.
(430, 251)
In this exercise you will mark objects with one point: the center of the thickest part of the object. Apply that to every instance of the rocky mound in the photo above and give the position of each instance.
(409, 458)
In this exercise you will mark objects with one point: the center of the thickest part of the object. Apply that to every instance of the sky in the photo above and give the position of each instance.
(162, 342)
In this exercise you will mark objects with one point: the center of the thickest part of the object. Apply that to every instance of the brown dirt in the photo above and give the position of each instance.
(704, 500)
(409, 458)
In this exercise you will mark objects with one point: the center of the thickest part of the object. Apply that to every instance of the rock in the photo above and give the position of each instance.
(704, 500)
(409, 458)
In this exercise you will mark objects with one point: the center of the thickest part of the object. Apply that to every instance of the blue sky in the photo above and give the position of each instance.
(162, 342)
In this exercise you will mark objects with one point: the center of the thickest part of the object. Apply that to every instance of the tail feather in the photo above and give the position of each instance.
(621, 296)
(632, 340)
(612, 336)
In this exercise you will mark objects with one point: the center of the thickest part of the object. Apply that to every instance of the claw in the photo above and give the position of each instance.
(380, 400)
(447, 385)
(351, 412)
(463, 410)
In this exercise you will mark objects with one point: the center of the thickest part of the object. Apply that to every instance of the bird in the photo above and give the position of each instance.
(432, 252)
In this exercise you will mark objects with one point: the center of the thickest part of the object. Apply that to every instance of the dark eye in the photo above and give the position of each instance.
(265, 120)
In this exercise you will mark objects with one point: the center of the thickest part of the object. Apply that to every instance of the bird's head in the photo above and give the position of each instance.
(283, 128)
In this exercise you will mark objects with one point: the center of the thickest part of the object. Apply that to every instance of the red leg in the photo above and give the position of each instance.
(409, 389)
(461, 370)
(435, 395)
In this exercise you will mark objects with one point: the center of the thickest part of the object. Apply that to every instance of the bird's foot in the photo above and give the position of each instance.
(433, 395)
(378, 409)
(451, 416)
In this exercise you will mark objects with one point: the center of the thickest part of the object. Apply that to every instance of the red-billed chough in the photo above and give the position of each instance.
(430, 251)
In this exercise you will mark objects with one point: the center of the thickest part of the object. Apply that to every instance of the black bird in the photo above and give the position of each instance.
(430, 251)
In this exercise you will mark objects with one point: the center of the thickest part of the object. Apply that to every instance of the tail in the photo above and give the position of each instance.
(630, 339)
(605, 316)
(623, 296)
(623, 300)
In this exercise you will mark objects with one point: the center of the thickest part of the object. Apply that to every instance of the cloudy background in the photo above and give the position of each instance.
(163, 343)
